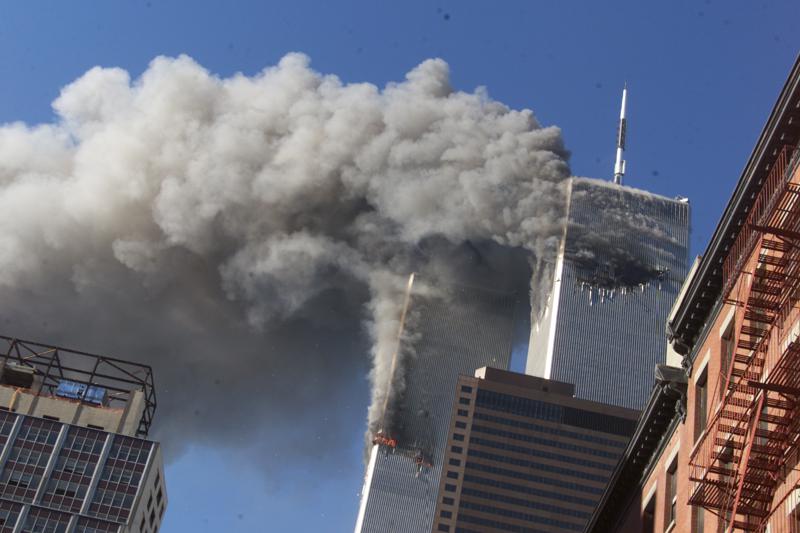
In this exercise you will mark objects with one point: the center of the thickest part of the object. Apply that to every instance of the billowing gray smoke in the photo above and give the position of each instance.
(239, 233)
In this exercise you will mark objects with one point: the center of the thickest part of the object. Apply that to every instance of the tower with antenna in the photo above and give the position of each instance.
(619, 165)
(587, 325)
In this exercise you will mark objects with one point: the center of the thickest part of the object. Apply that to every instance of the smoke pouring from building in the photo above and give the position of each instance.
(636, 246)
(239, 233)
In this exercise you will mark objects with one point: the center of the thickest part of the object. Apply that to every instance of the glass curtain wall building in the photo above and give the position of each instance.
(524, 455)
(621, 263)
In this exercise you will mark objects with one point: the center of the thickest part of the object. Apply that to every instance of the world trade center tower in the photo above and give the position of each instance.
(620, 265)
(454, 330)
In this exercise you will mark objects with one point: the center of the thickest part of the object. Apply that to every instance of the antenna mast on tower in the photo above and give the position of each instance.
(619, 165)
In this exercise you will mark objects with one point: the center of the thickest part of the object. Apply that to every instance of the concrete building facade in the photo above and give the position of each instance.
(524, 455)
(73, 457)
(717, 447)
(622, 281)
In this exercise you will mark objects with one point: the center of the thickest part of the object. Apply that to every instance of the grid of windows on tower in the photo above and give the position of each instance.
(26, 464)
(9, 512)
(555, 413)
(120, 479)
(72, 473)
(51, 472)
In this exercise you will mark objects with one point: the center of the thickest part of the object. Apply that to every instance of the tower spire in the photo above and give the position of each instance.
(619, 165)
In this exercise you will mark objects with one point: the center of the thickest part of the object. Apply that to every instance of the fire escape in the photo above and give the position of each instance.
(739, 463)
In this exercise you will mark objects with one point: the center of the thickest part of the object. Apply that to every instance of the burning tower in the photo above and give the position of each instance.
(452, 330)
(621, 262)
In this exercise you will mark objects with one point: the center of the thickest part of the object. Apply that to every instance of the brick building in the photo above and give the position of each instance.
(716, 448)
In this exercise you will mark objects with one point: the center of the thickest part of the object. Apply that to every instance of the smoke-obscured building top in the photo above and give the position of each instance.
(620, 266)
(452, 331)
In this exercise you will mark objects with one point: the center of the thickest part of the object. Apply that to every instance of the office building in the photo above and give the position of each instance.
(621, 262)
(455, 330)
(524, 455)
(717, 447)
(73, 454)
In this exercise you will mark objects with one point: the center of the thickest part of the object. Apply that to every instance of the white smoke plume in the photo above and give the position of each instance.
(238, 233)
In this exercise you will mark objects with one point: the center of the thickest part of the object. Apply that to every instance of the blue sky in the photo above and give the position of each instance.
(702, 77)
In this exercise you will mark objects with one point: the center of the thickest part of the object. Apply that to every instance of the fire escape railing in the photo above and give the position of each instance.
(745, 241)
(785, 514)
(736, 467)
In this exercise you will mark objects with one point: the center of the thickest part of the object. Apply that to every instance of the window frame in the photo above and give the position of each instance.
(727, 351)
(701, 404)
(671, 500)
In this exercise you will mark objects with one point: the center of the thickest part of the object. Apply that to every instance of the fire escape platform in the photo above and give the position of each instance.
(736, 467)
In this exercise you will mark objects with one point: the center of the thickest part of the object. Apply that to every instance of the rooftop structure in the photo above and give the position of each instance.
(71, 456)
(76, 387)
(619, 163)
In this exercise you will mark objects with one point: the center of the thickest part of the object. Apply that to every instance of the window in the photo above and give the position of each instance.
(569, 416)
(698, 520)
(456, 449)
(452, 475)
(722, 523)
(46, 521)
(463, 401)
(444, 527)
(450, 488)
(455, 462)
(446, 514)
(48, 417)
(20, 479)
(725, 356)
(461, 425)
(701, 404)
(93, 525)
(763, 425)
(672, 492)
(447, 501)
(458, 436)
(466, 388)
(463, 412)
(649, 516)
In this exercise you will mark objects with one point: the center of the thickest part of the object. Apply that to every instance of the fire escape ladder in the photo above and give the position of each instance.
(764, 423)
(737, 466)
(749, 478)
(734, 468)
